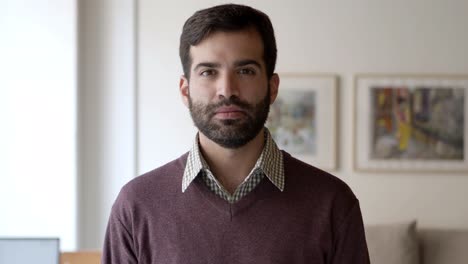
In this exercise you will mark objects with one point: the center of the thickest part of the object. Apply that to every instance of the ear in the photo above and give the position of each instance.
(184, 90)
(274, 85)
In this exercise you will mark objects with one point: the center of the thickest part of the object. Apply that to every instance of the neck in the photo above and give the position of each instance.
(231, 166)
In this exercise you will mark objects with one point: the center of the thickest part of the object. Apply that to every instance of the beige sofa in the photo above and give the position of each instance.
(404, 243)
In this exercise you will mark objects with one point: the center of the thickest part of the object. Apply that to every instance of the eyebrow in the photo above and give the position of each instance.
(238, 63)
(207, 64)
(247, 62)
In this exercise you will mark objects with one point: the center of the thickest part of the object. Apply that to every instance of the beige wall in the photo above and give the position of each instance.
(106, 108)
(344, 38)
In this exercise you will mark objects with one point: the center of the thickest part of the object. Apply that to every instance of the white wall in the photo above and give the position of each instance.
(342, 37)
(38, 119)
(106, 106)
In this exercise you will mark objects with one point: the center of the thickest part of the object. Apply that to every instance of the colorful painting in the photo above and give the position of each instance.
(302, 119)
(292, 121)
(418, 122)
(409, 123)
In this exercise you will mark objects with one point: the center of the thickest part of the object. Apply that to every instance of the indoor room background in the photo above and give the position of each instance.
(89, 99)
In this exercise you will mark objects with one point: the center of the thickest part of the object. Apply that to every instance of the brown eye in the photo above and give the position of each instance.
(247, 71)
(207, 73)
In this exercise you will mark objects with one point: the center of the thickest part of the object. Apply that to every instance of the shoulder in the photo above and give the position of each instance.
(316, 184)
(149, 186)
(300, 173)
(320, 190)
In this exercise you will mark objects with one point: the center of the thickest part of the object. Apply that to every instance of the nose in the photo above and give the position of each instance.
(227, 86)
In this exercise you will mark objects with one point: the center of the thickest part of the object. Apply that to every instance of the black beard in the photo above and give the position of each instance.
(230, 133)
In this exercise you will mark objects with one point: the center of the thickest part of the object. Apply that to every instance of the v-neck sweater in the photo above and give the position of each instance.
(316, 219)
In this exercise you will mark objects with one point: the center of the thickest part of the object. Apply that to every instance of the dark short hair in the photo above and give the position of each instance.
(229, 17)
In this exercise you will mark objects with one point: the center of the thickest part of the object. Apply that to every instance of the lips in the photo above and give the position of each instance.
(228, 109)
(229, 112)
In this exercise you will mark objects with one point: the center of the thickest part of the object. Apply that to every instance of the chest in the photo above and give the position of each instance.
(258, 234)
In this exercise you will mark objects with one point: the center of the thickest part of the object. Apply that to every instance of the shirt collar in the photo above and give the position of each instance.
(270, 162)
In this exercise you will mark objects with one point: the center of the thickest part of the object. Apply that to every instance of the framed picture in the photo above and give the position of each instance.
(411, 123)
(302, 120)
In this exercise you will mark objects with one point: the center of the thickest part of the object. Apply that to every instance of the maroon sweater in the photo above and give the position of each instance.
(316, 219)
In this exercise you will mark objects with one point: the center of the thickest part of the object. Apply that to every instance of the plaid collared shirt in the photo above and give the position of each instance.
(269, 164)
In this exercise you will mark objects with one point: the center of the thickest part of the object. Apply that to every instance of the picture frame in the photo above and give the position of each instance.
(303, 119)
(411, 123)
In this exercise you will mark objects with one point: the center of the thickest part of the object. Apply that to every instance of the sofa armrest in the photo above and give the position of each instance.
(440, 246)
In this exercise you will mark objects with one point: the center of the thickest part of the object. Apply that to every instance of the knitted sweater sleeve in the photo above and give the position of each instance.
(119, 246)
(350, 245)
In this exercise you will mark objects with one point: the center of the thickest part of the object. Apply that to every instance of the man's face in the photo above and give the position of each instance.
(229, 94)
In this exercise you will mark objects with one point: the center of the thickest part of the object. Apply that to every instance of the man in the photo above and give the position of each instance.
(235, 197)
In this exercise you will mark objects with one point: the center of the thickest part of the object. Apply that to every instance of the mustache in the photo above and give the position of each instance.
(228, 102)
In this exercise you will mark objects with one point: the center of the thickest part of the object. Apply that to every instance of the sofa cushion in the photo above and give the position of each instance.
(444, 246)
(393, 243)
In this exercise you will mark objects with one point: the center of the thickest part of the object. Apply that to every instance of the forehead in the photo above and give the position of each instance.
(228, 46)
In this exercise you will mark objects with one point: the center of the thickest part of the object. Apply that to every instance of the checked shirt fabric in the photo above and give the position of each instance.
(269, 164)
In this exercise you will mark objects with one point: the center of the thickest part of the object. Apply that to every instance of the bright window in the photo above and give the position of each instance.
(38, 119)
